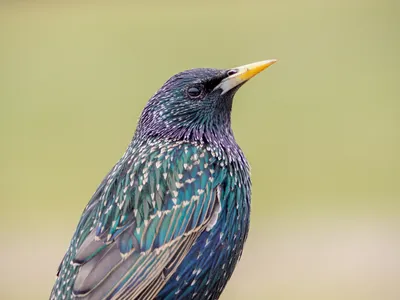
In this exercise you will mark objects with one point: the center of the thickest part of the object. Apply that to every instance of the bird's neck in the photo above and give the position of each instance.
(219, 137)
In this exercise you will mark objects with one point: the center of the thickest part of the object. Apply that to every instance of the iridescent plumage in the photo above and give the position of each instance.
(170, 219)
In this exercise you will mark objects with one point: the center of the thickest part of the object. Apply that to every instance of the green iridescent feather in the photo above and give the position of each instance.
(172, 189)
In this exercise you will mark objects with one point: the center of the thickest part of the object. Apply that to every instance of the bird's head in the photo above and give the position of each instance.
(195, 105)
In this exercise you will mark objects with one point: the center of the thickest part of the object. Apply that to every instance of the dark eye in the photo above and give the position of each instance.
(194, 91)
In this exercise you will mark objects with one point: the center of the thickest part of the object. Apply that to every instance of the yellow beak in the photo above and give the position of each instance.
(242, 74)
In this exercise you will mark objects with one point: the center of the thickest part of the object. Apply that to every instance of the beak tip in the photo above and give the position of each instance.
(270, 61)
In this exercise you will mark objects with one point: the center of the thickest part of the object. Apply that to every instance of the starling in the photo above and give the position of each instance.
(170, 219)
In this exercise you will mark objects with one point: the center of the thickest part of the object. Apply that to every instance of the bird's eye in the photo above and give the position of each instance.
(194, 91)
(231, 72)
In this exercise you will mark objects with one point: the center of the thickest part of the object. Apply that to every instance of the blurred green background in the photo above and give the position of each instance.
(320, 129)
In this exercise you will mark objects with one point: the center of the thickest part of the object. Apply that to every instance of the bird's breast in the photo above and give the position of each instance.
(214, 255)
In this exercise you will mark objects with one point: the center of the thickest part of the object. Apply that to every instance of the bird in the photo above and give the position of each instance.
(170, 219)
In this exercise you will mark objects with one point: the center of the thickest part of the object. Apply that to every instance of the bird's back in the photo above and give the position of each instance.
(168, 221)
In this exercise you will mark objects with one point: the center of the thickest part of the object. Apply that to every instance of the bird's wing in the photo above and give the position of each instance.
(150, 212)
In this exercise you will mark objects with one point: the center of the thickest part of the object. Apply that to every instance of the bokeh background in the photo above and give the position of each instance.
(320, 129)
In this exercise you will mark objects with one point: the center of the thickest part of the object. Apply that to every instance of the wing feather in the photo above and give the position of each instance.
(147, 215)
